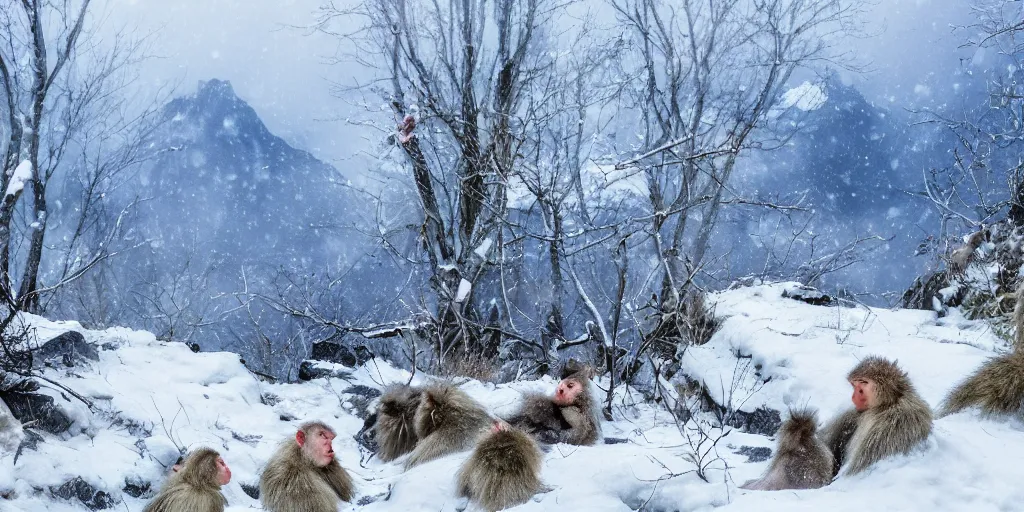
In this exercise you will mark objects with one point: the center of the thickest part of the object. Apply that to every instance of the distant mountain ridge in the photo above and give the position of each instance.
(225, 181)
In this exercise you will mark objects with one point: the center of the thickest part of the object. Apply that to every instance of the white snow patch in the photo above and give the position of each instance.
(464, 288)
(484, 248)
(806, 96)
(22, 173)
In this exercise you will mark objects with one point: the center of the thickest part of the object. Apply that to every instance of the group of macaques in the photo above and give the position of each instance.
(302, 476)
(888, 418)
(424, 422)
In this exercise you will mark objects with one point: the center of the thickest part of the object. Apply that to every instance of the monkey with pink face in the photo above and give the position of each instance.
(888, 418)
(194, 485)
(570, 416)
(304, 475)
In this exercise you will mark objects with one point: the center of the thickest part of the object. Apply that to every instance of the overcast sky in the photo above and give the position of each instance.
(282, 73)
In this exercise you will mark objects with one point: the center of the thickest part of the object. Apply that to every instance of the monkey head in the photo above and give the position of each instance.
(203, 467)
(877, 382)
(223, 472)
(569, 391)
(316, 441)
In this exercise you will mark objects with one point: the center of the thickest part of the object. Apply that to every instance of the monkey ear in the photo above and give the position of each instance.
(300, 437)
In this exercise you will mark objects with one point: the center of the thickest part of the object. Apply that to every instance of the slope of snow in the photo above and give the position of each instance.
(152, 397)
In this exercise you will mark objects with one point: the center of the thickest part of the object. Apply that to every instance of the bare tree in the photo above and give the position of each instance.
(65, 108)
(711, 73)
(456, 75)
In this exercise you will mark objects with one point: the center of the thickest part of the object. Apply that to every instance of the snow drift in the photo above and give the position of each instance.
(152, 398)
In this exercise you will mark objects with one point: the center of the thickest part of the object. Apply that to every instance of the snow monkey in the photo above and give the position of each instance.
(570, 416)
(997, 388)
(961, 256)
(802, 461)
(503, 471)
(195, 486)
(303, 475)
(888, 418)
(447, 421)
(395, 428)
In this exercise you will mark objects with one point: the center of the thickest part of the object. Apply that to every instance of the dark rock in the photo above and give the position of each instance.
(251, 490)
(361, 397)
(83, 491)
(337, 353)
(28, 407)
(270, 399)
(136, 487)
(755, 453)
(924, 293)
(31, 441)
(762, 421)
(808, 295)
(309, 370)
(286, 417)
(363, 391)
(615, 440)
(101, 501)
(366, 500)
(365, 437)
(70, 347)
(249, 439)
(194, 347)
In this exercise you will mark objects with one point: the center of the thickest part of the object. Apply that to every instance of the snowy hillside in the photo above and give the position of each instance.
(152, 396)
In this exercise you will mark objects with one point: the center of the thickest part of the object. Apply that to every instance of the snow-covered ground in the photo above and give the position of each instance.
(152, 396)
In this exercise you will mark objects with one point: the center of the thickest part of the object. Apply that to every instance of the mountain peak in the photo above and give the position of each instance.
(215, 89)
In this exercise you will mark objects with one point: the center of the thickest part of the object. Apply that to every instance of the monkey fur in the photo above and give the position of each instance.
(292, 482)
(802, 460)
(962, 256)
(395, 430)
(899, 421)
(447, 421)
(503, 471)
(550, 423)
(997, 387)
(193, 488)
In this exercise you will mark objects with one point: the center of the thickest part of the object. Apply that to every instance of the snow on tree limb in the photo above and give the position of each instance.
(22, 174)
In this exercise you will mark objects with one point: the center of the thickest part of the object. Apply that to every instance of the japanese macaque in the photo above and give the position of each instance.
(503, 471)
(195, 486)
(570, 416)
(304, 475)
(997, 388)
(405, 128)
(889, 417)
(395, 429)
(447, 421)
(802, 461)
(961, 256)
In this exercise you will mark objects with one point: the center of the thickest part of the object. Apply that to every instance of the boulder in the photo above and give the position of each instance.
(78, 488)
(337, 353)
(69, 348)
(762, 421)
(39, 409)
(309, 370)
